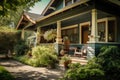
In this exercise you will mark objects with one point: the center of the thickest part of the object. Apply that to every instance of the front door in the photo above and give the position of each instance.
(85, 30)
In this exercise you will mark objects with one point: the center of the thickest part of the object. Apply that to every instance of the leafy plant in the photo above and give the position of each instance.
(87, 72)
(109, 60)
(21, 48)
(4, 74)
(65, 58)
(41, 56)
(106, 66)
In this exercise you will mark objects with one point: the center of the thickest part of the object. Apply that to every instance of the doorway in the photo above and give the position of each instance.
(84, 32)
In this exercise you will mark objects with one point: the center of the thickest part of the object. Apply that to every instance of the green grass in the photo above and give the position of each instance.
(4, 74)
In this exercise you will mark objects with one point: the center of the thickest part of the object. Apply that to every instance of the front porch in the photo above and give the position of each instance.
(84, 23)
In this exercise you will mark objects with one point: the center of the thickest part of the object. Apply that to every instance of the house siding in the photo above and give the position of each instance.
(60, 5)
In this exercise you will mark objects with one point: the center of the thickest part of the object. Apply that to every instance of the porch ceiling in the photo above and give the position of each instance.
(83, 18)
(108, 6)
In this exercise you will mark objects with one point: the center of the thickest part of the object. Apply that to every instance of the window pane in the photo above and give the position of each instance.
(101, 31)
(76, 0)
(111, 31)
(72, 34)
(68, 2)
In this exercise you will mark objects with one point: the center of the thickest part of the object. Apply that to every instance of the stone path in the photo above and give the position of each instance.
(25, 72)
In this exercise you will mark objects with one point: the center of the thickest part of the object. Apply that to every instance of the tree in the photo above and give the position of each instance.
(11, 10)
(7, 5)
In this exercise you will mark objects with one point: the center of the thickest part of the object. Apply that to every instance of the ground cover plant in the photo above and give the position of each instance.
(4, 74)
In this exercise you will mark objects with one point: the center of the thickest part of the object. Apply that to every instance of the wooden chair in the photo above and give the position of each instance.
(78, 52)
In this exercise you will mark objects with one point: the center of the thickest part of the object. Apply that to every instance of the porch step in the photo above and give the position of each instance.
(82, 60)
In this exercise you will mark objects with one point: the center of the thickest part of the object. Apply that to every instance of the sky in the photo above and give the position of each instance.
(39, 6)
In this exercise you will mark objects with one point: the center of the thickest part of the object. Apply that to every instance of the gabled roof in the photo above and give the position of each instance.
(27, 18)
(51, 7)
(47, 7)
(32, 16)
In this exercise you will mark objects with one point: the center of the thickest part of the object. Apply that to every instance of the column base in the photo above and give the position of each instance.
(93, 39)
(59, 41)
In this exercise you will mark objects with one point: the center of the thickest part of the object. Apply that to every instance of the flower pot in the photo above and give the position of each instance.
(66, 64)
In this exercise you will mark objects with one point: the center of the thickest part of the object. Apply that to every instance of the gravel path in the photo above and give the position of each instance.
(25, 72)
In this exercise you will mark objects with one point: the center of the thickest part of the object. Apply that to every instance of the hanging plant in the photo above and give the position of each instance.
(50, 34)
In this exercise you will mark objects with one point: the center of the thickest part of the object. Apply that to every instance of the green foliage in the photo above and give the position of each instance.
(5, 75)
(7, 5)
(21, 48)
(65, 58)
(106, 66)
(8, 38)
(109, 60)
(88, 72)
(41, 56)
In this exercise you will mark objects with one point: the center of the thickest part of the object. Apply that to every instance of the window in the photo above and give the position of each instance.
(101, 31)
(76, 0)
(68, 2)
(111, 30)
(72, 34)
(109, 34)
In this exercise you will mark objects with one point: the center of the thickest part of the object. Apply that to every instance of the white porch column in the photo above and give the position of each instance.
(58, 38)
(22, 34)
(94, 31)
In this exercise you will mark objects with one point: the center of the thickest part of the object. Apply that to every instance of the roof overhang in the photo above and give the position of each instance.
(25, 21)
(99, 4)
(62, 10)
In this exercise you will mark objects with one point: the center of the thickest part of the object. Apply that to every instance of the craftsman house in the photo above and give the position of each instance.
(92, 22)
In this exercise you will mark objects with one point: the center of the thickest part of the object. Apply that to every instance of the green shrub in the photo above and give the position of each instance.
(5, 75)
(20, 48)
(8, 39)
(41, 56)
(106, 66)
(109, 60)
(87, 72)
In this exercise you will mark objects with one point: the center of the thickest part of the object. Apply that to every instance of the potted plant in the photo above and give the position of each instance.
(66, 43)
(65, 60)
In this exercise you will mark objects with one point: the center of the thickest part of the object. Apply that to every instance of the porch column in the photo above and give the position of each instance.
(58, 38)
(38, 35)
(22, 34)
(94, 31)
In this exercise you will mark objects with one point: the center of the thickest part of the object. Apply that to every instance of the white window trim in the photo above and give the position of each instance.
(64, 3)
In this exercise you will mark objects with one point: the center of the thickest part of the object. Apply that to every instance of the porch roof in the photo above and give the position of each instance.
(74, 9)
(60, 14)
(27, 19)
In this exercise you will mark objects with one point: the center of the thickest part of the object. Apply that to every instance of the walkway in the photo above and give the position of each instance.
(25, 72)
